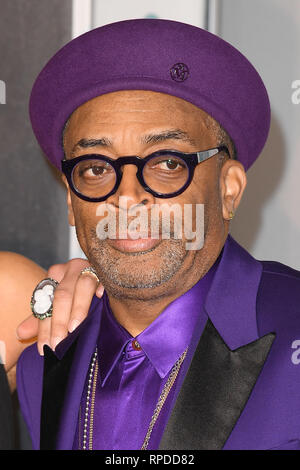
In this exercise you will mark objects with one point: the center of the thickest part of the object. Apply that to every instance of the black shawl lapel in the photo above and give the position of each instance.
(215, 391)
(6, 413)
(56, 374)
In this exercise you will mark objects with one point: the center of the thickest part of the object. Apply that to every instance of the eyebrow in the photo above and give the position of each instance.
(170, 134)
(86, 143)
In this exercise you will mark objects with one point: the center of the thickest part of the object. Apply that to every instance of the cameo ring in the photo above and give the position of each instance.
(42, 298)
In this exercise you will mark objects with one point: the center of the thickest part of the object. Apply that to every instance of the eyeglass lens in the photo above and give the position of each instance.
(163, 174)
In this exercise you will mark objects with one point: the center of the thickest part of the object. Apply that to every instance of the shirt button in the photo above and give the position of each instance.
(136, 345)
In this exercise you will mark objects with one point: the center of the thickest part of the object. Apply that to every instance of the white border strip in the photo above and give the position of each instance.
(213, 16)
(81, 17)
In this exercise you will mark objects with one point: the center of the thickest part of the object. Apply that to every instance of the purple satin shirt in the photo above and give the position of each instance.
(133, 371)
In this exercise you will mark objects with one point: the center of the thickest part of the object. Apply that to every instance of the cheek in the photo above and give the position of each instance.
(85, 217)
(205, 190)
(202, 190)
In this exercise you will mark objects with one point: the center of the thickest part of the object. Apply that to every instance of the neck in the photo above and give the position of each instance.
(128, 312)
(136, 314)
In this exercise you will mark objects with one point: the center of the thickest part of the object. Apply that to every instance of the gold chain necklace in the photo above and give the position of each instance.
(88, 426)
(162, 398)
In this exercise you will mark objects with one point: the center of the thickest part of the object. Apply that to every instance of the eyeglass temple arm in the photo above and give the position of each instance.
(201, 156)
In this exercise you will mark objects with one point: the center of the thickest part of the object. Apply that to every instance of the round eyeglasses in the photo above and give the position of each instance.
(164, 174)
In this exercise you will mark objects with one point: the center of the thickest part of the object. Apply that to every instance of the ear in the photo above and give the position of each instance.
(71, 217)
(233, 182)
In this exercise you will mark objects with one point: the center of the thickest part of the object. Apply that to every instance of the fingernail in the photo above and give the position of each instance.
(100, 291)
(55, 341)
(41, 348)
(73, 325)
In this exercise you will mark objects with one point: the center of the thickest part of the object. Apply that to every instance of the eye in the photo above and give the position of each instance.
(170, 164)
(94, 169)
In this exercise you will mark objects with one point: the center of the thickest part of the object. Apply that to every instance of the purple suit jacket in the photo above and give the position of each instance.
(241, 386)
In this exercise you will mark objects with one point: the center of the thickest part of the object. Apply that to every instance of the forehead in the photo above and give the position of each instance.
(142, 106)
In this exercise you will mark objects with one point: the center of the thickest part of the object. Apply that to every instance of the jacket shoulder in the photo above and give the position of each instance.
(29, 387)
(278, 298)
(279, 269)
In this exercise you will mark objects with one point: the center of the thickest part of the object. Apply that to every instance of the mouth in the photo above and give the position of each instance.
(128, 245)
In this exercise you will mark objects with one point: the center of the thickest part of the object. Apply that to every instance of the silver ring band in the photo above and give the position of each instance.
(90, 270)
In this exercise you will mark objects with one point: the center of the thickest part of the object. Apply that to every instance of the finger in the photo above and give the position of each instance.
(28, 329)
(62, 304)
(63, 299)
(57, 271)
(86, 287)
(43, 334)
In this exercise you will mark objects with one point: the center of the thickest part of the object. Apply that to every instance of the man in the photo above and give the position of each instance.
(189, 348)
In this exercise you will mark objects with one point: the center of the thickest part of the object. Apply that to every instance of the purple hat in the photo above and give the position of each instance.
(157, 55)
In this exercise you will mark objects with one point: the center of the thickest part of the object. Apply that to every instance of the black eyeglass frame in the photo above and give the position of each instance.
(191, 160)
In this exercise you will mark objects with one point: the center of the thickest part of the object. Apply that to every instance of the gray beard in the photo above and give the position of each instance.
(131, 271)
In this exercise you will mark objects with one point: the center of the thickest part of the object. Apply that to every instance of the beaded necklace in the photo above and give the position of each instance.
(86, 441)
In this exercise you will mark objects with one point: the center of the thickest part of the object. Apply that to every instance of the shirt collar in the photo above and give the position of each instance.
(160, 341)
(111, 342)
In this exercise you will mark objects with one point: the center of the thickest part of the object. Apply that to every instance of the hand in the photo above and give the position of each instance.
(72, 299)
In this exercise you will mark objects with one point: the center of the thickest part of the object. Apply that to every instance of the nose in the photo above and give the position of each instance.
(130, 191)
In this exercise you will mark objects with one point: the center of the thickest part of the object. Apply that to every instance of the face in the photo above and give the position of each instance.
(139, 123)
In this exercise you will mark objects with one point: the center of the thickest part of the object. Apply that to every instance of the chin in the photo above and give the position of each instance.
(138, 293)
(140, 275)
